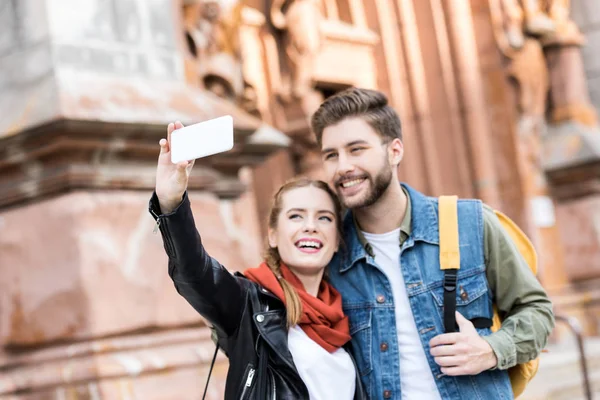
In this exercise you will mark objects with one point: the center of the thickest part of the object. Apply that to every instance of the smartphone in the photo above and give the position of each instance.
(202, 139)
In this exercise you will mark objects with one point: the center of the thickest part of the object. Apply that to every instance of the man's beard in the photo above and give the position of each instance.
(377, 188)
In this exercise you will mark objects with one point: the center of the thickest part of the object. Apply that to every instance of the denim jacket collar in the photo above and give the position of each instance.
(424, 227)
(424, 217)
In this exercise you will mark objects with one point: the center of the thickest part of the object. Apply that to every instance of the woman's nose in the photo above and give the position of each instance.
(310, 225)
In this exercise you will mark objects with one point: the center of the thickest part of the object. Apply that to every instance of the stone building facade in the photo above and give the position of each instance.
(493, 98)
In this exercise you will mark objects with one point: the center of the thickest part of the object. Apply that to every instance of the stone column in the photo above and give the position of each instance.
(572, 160)
(87, 309)
(470, 84)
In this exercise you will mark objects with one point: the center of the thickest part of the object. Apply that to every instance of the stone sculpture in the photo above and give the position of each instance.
(301, 21)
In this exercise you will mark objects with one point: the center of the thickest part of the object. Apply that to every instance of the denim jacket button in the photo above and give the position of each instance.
(383, 346)
(380, 299)
(387, 394)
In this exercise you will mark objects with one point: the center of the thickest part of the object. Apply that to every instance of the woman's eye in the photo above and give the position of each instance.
(295, 216)
(326, 219)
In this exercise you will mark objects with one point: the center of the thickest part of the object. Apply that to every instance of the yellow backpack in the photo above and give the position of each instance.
(520, 374)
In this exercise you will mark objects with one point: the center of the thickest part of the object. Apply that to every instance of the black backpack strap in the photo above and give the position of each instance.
(212, 364)
(215, 338)
(450, 263)
(449, 256)
(482, 322)
(450, 279)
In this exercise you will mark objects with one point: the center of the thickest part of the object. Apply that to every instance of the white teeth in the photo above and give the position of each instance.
(309, 243)
(351, 183)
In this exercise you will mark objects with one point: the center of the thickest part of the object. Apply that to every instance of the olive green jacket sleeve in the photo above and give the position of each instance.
(522, 303)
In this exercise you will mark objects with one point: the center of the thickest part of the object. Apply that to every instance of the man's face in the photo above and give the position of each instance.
(357, 162)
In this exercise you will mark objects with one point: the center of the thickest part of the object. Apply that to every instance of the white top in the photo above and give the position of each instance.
(326, 375)
(416, 378)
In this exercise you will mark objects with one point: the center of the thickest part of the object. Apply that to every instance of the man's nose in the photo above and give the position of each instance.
(344, 166)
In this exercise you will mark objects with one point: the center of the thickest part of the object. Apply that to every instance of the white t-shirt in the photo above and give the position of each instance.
(326, 375)
(416, 379)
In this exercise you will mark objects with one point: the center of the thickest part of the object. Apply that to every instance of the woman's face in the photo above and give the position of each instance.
(306, 233)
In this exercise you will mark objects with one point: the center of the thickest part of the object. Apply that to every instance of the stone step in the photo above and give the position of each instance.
(560, 377)
(568, 388)
(572, 389)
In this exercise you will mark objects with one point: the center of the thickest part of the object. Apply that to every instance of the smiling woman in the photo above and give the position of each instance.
(304, 230)
(281, 324)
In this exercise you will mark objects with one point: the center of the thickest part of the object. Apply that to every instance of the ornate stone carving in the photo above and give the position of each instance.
(301, 22)
(566, 32)
(215, 58)
(520, 25)
(542, 46)
(547, 20)
(515, 21)
(529, 71)
(212, 34)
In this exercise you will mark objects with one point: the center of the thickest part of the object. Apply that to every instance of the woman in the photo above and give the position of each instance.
(281, 325)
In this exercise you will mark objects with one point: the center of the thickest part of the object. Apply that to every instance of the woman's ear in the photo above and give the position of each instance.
(272, 236)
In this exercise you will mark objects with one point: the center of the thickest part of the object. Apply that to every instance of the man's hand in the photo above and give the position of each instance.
(171, 179)
(463, 352)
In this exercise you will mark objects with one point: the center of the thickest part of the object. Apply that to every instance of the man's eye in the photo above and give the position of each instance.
(330, 156)
(356, 149)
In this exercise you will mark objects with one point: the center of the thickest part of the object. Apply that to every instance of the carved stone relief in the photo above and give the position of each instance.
(546, 20)
(530, 33)
(542, 48)
(300, 20)
(529, 71)
(213, 43)
(214, 56)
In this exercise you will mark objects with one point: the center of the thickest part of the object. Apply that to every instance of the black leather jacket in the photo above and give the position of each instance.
(247, 318)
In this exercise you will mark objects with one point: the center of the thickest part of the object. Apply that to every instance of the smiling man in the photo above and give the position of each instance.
(390, 278)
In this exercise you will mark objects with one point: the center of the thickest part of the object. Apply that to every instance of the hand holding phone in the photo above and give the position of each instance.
(202, 140)
(180, 149)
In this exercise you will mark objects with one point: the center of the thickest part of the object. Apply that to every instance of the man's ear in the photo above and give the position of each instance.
(396, 152)
(272, 236)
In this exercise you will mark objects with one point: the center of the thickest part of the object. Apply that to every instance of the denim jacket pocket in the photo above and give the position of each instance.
(361, 332)
(472, 299)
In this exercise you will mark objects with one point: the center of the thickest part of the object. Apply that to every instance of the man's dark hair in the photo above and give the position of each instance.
(370, 105)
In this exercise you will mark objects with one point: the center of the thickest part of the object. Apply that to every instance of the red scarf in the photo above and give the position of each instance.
(322, 317)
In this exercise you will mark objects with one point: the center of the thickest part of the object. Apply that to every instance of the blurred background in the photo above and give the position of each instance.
(498, 100)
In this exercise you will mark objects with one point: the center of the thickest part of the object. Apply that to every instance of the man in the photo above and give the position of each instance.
(390, 277)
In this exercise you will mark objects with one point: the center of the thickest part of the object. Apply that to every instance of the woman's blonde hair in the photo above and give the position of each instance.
(272, 258)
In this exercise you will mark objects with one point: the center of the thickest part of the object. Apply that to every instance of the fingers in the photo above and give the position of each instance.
(463, 323)
(185, 165)
(182, 165)
(170, 128)
(455, 371)
(452, 361)
(443, 351)
(446, 338)
(180, 174)
(188, 168)
(164, 146)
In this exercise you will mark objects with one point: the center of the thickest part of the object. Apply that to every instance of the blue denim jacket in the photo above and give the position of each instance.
(369, 303)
